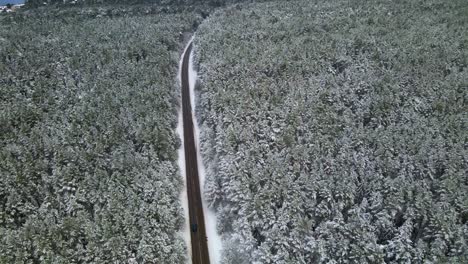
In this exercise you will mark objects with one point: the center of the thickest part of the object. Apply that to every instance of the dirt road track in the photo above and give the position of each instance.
(196, 218)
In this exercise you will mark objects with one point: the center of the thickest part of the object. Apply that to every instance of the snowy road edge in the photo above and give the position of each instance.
(214, 239)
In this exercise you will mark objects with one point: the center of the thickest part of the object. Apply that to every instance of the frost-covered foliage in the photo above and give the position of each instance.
(213, 3)
(336, 131)
(88, 169)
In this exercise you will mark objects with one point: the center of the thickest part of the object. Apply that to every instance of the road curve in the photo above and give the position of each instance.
(196, 218)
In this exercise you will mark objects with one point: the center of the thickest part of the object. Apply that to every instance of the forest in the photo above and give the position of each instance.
(331, 131)
(167, 3)
(88, 107)
(335, 131)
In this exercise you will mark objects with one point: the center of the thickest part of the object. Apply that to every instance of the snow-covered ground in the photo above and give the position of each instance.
(4, 8)
(183, 194)
(214, 240)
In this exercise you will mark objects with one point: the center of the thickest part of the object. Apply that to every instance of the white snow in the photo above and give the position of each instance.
(214, 240)
(183, 194)
(181, 163)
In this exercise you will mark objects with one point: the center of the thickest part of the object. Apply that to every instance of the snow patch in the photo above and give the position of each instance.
(181, 162)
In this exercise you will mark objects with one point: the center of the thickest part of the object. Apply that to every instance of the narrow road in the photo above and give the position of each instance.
(196, 218)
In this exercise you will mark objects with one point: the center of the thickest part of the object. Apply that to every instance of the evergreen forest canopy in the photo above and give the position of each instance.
(336, 131)
(332, 131)
(215, 3)
(87, 142)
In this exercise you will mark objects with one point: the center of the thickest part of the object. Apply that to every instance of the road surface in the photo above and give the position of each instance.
(196, 218)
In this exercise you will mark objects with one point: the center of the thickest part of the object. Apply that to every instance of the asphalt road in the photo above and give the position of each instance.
(197, 220)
